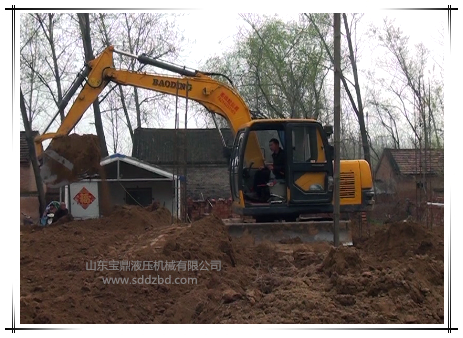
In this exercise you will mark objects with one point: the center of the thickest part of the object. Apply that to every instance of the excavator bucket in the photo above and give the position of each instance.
(69, 159)
(292, 232)
(53, 167)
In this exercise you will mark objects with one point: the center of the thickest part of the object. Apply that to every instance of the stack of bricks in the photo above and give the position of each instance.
(199, 209)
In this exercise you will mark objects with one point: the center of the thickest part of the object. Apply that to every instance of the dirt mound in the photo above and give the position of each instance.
(83, 151)
(406, 239)
(206, 239)
(250, 283)
(153, 206)
(134, 216)
(341, 260)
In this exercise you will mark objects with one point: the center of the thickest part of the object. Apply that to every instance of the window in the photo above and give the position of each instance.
(304, 141)
(138, 196)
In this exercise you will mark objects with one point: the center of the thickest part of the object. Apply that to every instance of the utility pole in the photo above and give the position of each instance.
(337, 123)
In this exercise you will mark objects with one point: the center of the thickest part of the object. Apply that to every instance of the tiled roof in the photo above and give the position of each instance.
(204, 146)
(158, 146)
(414, 161)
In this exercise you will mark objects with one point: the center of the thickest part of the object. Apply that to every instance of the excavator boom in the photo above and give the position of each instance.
(217, 97)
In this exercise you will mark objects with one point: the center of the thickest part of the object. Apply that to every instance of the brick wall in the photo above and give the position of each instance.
(395, 204)
(27, 179)
(206, 182)
(403, 188)
(385, 173)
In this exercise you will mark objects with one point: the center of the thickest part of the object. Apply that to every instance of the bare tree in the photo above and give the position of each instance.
(106, 41)
(387, 118)
(357, 104)
(29, 65)
(417, 99)
(46, 61)
(359, 108)
(84, 23)
(32, 155)
(154, 35)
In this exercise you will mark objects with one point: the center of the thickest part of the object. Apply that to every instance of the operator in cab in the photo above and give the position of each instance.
(279, 159)
(278, 167)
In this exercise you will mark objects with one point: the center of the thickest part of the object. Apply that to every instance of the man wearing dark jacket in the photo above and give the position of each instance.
(278, 168)
(279, 159)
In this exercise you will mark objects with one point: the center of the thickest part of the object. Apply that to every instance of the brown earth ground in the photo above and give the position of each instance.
(395, 276)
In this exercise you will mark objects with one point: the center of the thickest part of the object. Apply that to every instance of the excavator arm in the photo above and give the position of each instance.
(215, 96)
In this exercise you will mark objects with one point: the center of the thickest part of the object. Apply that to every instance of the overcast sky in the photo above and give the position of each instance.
(215, 34)
(420, 26)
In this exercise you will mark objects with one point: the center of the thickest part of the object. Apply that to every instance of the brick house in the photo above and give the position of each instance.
(29, 202)
(403, 170)
(407, 173)
(207, 168)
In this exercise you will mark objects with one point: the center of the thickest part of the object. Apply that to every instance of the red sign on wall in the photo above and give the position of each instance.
(84, 198)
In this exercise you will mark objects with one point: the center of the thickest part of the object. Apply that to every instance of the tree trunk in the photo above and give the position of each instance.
(32, 155)
(137, 107)
(126, 112)
(55, 64)
(361, 117)
(349, 94)
(84, 23)
(132, 67)
(124, 106)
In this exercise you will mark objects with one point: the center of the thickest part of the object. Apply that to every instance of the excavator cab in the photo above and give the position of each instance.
(304, 193)
(307, 186)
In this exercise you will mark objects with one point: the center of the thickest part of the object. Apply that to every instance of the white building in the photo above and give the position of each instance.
(129, 181)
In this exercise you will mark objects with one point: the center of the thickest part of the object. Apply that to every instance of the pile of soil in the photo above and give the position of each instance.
(406, 239)
(341, 260)
(250, 282)
(136, 217)
(83, 151)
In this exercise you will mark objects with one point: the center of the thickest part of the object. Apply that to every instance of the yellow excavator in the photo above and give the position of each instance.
(305, 191)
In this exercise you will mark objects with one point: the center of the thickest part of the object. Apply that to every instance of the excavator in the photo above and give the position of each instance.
(299, 198)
